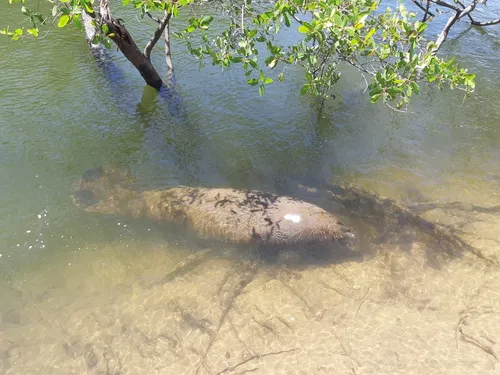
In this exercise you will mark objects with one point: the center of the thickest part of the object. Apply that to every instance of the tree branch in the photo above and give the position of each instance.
(168, 50)
(444, 34)
(425, 9)
(90, 30)
(156, 19)
(124, 41)
(485, 23)
(447, 5)
(463, 6)
(466, 11)
(459, 13)
(297, 19)
(159, 30)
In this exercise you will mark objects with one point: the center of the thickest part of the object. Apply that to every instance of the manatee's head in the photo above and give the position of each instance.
(298, 222)
(104, 189)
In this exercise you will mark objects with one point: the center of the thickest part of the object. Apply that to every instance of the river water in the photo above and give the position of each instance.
(83, 293)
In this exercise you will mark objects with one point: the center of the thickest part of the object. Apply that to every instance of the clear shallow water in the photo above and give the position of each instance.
(60, 115)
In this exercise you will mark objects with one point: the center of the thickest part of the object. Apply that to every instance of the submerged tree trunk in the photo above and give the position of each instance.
(126, 44)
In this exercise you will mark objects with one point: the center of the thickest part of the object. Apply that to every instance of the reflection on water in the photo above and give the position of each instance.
(83, 293)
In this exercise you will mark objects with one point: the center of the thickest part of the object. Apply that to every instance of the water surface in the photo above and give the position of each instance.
(84, 293)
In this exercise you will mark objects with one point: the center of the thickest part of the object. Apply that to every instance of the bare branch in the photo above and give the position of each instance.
(168, 50)
(297, 19)
(427, 13)
(444, 34)
(243, 16)
(464, 10)
(463, 6)
(156, 19)
(485, 23)
(425, 9)
(479, 23)
(447, 5)
(459, 13)
(159, 30)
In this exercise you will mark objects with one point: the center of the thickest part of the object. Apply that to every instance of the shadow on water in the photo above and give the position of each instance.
(162, 126)
(381, 222)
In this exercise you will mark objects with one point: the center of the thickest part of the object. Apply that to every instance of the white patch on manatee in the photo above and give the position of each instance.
(293, 217)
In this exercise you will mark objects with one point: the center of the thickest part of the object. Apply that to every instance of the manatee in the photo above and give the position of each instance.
(225, 214)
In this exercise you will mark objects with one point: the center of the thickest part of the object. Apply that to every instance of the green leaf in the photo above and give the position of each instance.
(63, 21)
(281, 77)
(469, 80)
(287, 19)
(416, 88)
(268, 80)
(87, 7)
(77, 22)
(206, 20)
(253, 81)
(105, 29)
(33, 31)
(54, 10)
(303, 29)
(370, 34)
(236, 59)
(376, 90)
(305, 89)
(262, 90)
(6, 32)
(107, 42)
(375, 98)
(272, 63)
(409, 91)
(394, 91)
(421, 28)
(125, 2)
(18, 33)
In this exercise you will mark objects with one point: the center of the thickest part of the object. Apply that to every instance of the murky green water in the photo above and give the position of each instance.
(83, 293)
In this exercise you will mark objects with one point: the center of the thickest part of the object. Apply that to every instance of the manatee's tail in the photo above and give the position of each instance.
(105, 190)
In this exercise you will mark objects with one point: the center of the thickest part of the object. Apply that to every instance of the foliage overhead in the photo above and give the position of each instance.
(386, 45)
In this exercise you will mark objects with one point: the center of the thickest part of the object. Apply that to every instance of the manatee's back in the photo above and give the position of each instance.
(244, 216)
(219, 214)
(239, 216)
